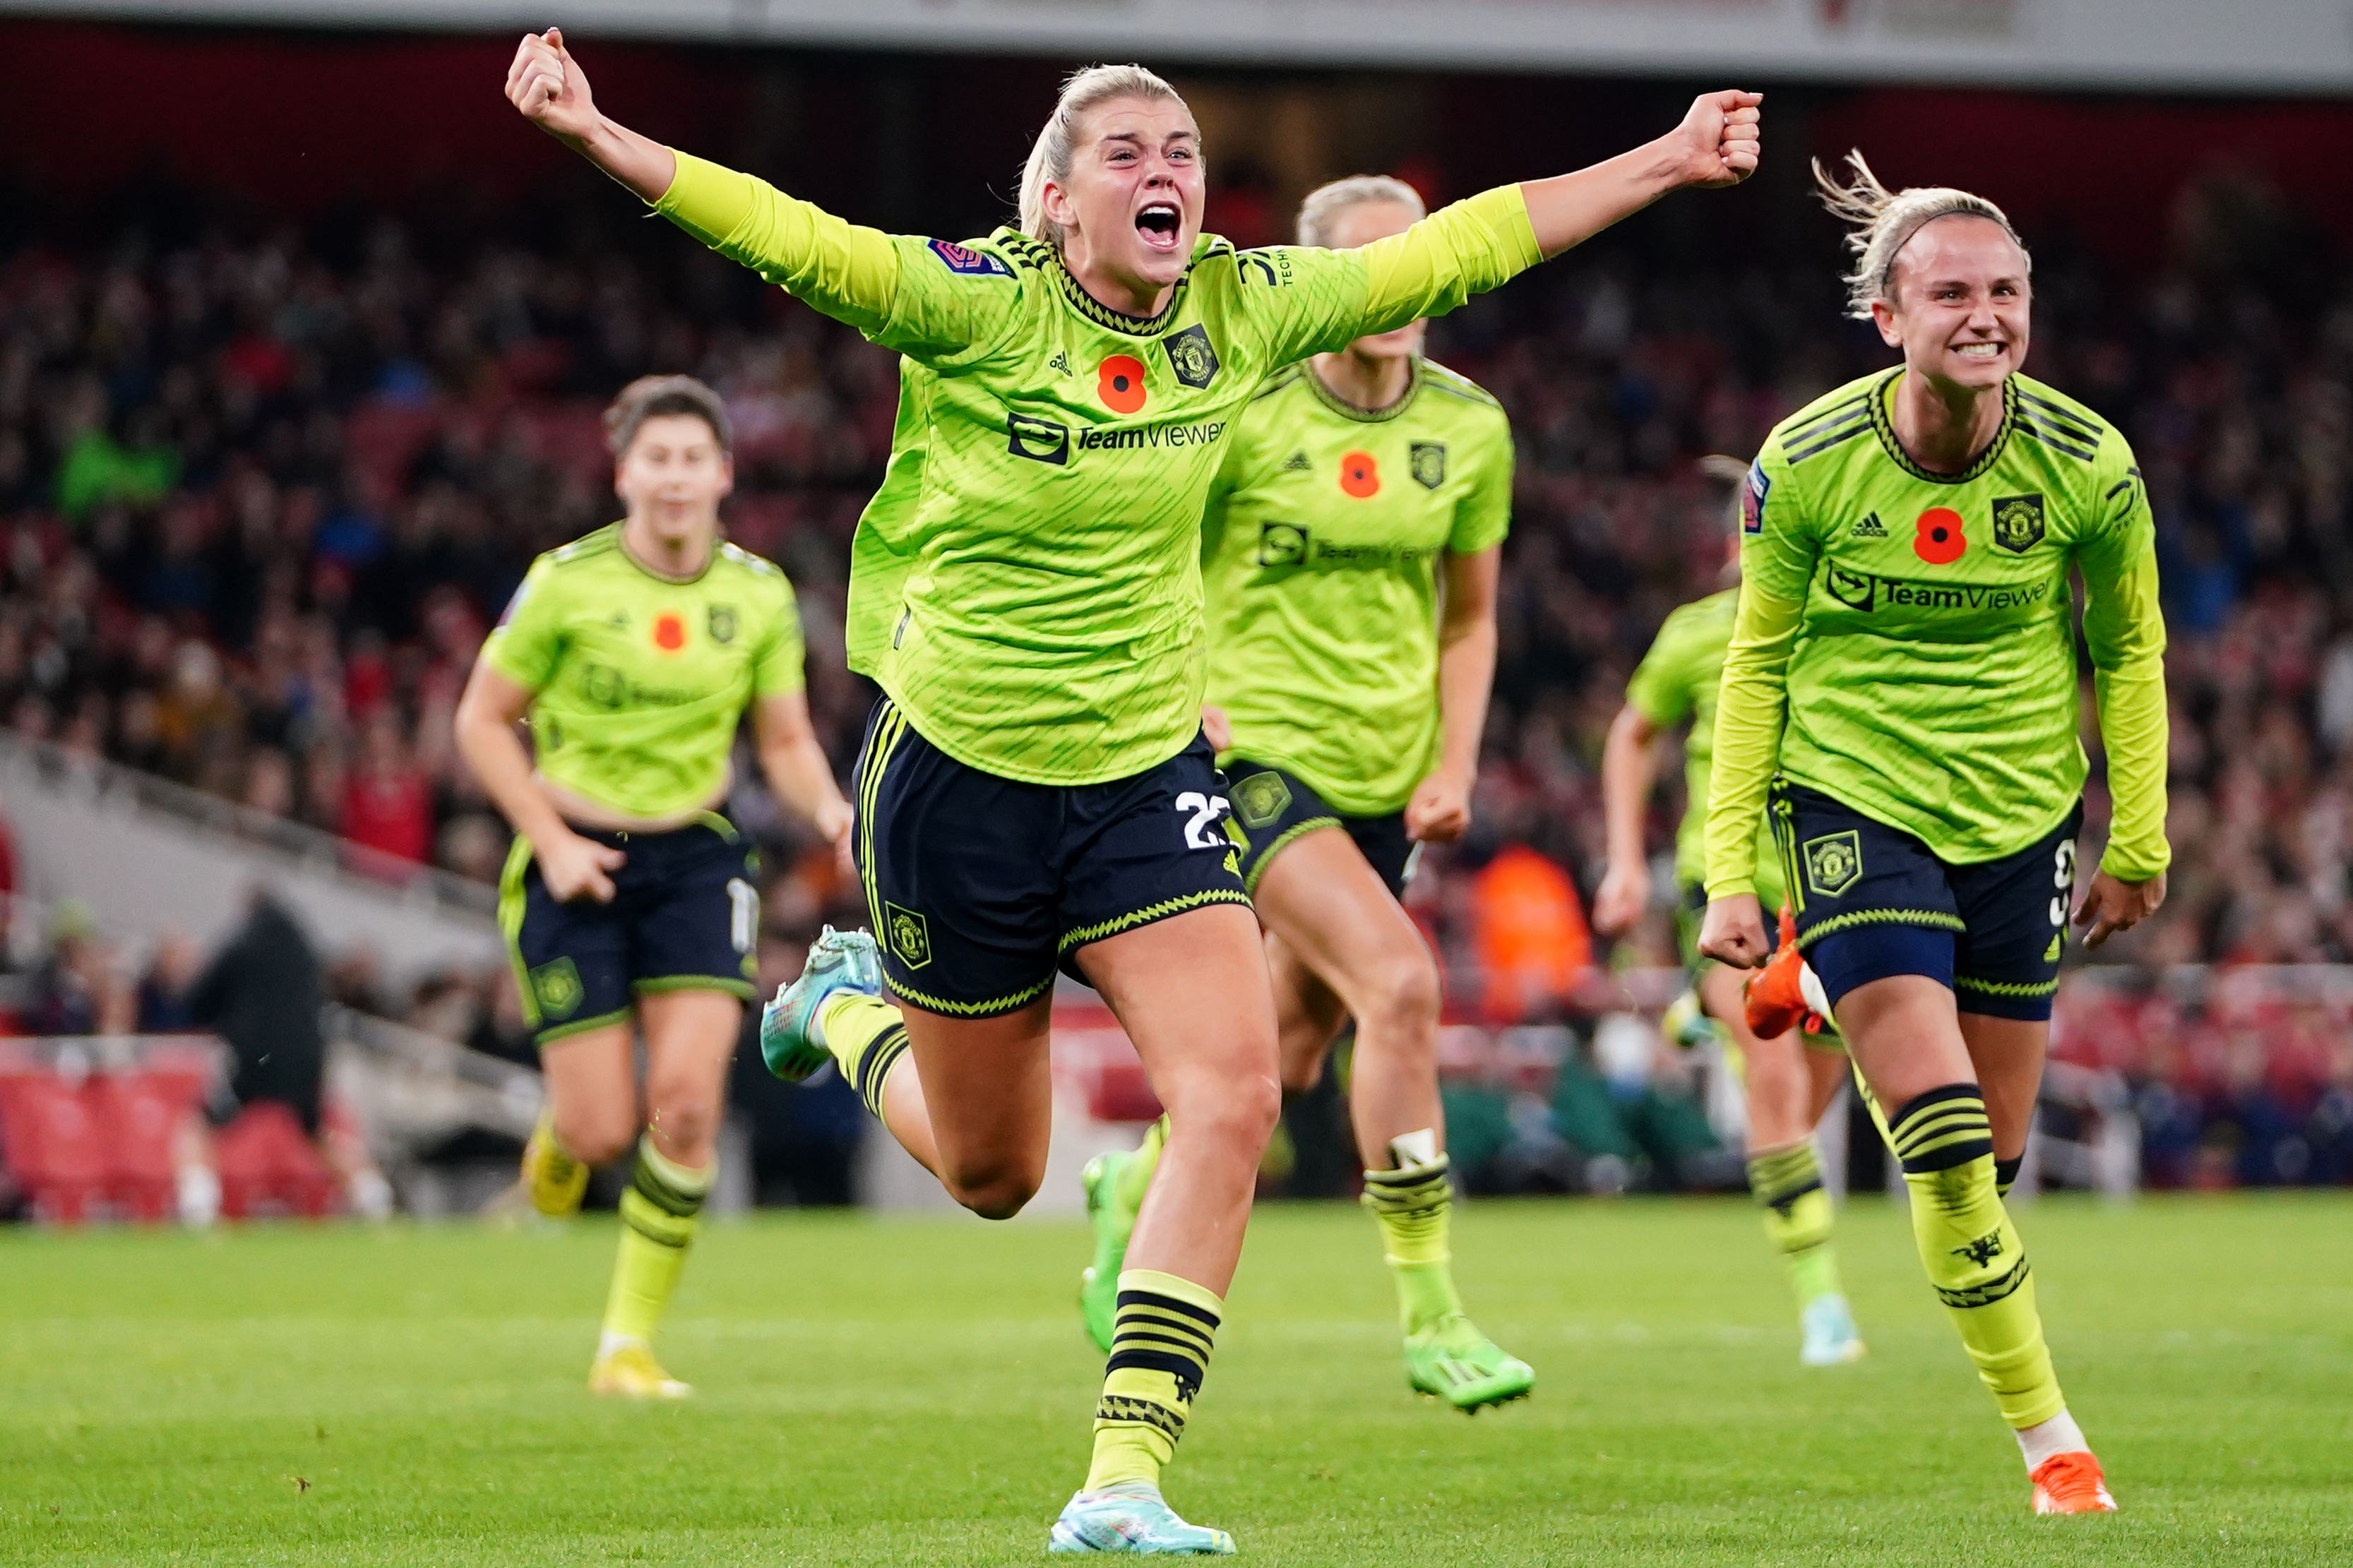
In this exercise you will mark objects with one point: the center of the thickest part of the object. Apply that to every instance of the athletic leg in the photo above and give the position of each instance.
(1787, 1085)
(1191, 991)
(1327, 907)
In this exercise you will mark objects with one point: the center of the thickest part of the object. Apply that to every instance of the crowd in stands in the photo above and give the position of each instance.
(263, 488)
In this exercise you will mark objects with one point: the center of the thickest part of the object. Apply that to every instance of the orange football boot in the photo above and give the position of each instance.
(2071, 1483)
(1774, 997)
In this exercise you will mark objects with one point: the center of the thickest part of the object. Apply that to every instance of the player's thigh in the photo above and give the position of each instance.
(691, 1035)
(989, 1091)
(1191, 991)
(1308, 1014)
(692, 908)
(592, 1090)
(1323, 898)
(1906, 1037)
(960, 872)
(2014, 915)
(571, 960)
(2008, 1054)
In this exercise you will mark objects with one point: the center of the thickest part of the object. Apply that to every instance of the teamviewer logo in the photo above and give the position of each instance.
(1040, 440)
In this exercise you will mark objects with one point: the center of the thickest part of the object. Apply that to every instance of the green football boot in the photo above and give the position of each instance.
(1114, 1222)
(1450, 1360)
(790, 1041)
(1132, 1518)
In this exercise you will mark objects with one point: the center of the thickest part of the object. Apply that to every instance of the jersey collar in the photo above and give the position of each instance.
(1102, 315)
(1348, 410)
(1885, 423)
(621, 542)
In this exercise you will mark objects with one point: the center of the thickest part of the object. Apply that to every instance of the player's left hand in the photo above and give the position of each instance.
(833, 820)
(1721, 138)
(2111, 904)
(1440, 811)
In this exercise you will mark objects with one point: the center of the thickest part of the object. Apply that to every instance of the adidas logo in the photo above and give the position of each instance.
(1869, 528)
(1061, 361)
(1296, 463)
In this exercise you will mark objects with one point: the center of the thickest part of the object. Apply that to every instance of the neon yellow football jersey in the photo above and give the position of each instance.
(640, 679)
(1320, 557)
(1906, 639)
(1026, 583)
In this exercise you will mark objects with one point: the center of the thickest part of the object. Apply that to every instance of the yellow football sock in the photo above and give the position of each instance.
(1413, 1206)
(868, 1039)
(660, 1215)
(1159, 1353)
(1135, 1176)
(1973, 1253)
(1788, 1184)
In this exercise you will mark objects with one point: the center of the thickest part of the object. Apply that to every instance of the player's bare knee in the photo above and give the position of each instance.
(596, 1137)
(1237, 1118)
(684, 1127)
(1402, 999)
(994, 1192)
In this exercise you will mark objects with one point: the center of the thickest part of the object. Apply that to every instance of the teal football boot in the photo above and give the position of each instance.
(1132, 1518)
(791, 1043)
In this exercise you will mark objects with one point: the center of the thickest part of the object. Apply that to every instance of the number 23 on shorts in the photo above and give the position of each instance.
(1202, 813)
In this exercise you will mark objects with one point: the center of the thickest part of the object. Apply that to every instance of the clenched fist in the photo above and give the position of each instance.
(550, 89)
(1722, 137)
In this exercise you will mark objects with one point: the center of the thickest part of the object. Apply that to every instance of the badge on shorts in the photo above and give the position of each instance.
(556, 987)
(1260, 798)
(910, 937)
(1834, 862)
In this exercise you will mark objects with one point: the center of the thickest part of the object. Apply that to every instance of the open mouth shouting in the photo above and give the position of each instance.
(1157, 221)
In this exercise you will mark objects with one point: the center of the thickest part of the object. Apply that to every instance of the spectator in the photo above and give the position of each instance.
(261, 994)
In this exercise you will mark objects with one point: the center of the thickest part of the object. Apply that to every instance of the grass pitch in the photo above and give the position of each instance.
(907, 1393)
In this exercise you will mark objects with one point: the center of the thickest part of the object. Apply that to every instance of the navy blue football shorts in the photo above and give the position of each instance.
(685, 916)
(978, 887)
(1872, 901)
(1272, 807)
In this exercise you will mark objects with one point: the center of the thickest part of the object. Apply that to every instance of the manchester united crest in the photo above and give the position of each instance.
(1191, 357)
(2017, 523)
(1427, 461)
(1834, 862)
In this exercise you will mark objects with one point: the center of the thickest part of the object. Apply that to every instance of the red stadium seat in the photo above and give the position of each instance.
(270, 1166)
(55, 1148)
(140, 1113)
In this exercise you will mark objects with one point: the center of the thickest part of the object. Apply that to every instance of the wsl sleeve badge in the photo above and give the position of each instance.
(967, 262)
(1752, 500)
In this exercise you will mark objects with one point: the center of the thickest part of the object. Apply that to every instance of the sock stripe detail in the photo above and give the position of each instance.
(648, 1181)
(1414, 1193)
(2005, 1174)
(655, 1223)
(874, 1064)
(1120, 1410)
(1154, 1300)
(1780, 1178)
(1987, 1294)
(1941, 1129)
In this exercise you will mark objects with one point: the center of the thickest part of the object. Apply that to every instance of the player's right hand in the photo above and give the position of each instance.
(1624, 894)
(1734, 933)
(1721, 138)
(548, 86)
(1221, 734)
(574, 867)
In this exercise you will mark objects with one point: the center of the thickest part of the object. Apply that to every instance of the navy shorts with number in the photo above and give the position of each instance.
(1272, 807)
(685, 911)
(1872, 900)
(979, 886)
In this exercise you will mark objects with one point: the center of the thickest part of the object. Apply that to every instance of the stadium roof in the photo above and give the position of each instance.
(2245, 45)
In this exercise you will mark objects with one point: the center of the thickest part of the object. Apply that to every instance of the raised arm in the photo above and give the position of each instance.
(2124, 630)
(1481, 243)
(854, 274)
